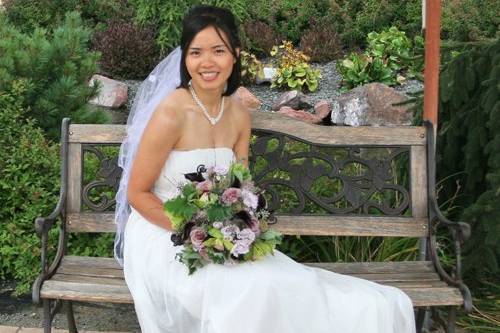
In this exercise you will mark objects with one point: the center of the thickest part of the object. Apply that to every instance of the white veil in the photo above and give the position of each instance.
(164, 79)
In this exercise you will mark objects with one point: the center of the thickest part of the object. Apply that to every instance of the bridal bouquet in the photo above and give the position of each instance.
(220, 216)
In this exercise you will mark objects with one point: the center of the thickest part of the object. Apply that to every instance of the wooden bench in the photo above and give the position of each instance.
(365, 197)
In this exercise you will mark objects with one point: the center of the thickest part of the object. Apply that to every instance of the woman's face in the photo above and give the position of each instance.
(208, 60)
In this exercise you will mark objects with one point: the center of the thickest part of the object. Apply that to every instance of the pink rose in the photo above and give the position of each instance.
(204, 186)
(197, 236)
(231, 195)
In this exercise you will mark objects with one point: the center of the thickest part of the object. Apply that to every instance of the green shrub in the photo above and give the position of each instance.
(261, 37)
(167, 16)
(470, 20)
(292, 69)
(29, 186)
(321, 42)
(291, 17)
(355, 19)
(127, 51)
(57, 68)
(390, 58)
(469, 151)
(27, 15)
(251, 68)
(359, 69)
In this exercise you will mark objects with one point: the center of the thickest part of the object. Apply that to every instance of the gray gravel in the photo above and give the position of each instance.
(328, 89)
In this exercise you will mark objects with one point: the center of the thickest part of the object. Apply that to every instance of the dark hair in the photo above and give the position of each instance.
(201, 17)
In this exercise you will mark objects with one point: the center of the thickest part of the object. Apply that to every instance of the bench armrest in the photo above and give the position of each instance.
(460, 231)
(44, 224)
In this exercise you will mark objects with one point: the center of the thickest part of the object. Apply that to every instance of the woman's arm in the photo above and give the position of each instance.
(242, 144)
(159, 138)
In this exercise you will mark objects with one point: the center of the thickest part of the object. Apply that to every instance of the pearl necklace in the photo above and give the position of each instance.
(212, 120)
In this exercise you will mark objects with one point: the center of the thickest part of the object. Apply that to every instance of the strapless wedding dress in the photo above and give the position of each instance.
(272, 295)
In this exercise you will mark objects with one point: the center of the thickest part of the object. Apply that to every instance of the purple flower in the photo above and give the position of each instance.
(240, 248)
(249, 199)
(231, 195)
(220, 169)
(230, 231)
(204, 186)
(246, 234)
(197, 236)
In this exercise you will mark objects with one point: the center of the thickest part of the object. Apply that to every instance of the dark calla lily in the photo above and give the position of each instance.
(236, 183)
(196, 176)
(176, 239)
(244, 216)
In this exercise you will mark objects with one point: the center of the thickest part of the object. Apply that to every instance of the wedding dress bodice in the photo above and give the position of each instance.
(180, 162)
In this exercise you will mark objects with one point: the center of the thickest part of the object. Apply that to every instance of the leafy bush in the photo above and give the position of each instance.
(355, 19)
(291, 17)
(167, 16)
(470, 20)
(29, 182)
(27, 15)
(127, 51)
(250, 68)
(321, 42)
(390, 58)
(57, 69)
(359, 69)
(469, 149)
(261, 37)
(293, 69)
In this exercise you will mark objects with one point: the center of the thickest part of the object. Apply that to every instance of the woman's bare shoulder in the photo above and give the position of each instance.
(241, 111)
(171, 107)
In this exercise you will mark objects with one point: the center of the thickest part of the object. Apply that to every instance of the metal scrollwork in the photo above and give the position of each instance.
(109, 174)
(356, 190)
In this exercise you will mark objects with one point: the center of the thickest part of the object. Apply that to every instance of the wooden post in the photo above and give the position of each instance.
(431, 71)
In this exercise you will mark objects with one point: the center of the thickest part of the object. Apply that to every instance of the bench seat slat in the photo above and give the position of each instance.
(101, 279)
(292, 225)
(327, 135)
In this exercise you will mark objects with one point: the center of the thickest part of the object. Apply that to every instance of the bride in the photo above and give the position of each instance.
(184, 116)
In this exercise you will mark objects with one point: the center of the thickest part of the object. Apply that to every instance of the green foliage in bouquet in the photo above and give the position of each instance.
(391, 57)
(293, 69)
(251, 67)
(57, 69)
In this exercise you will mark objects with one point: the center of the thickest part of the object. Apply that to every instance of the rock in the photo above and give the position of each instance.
(266, 76)
(113, 94)
(371, 105)
(322, 109)
(300, 115)
(248, 99)
(294, 99)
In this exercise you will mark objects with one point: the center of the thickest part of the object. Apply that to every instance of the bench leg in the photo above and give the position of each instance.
(452, 317)
(71, 317)
(47, 318)
(419, 320)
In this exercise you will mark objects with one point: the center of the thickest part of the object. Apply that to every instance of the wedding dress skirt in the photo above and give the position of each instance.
(272, 295)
